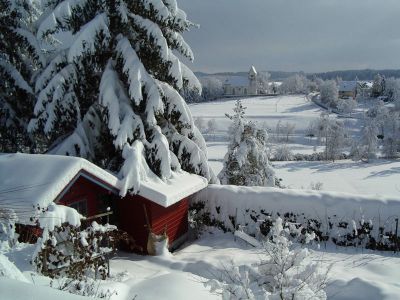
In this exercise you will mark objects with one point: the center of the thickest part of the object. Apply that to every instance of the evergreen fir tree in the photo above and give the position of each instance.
(112, 94)
(246, 162)
(20, 57)
(378, 86)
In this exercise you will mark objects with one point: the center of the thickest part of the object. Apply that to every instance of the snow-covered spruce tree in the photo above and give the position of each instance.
(112, 95)
(378, 86)
(20, 57)
(246, 162)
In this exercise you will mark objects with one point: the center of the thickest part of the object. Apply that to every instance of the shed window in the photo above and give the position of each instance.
(80, 206)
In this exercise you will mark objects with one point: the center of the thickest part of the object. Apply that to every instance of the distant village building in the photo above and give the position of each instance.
(347, 89)
(350, 89)
(364, 88)
(241, 85)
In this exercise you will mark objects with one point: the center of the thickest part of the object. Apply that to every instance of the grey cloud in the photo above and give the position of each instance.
(291, 35)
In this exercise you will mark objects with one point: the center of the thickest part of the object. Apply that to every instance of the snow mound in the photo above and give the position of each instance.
(56, 215)
(9, 270)
(173, 286)
(16, 290)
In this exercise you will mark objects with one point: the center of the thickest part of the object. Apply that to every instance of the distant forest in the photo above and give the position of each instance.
(367, 74)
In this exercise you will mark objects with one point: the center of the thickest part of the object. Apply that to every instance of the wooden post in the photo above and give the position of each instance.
(397, 239)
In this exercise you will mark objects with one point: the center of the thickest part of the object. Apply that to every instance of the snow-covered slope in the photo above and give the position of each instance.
(17, 290)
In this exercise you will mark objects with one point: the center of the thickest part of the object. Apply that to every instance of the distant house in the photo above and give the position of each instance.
(30, 182)
(241, 85)
(364, 88)
(347, 89)
(350, 89)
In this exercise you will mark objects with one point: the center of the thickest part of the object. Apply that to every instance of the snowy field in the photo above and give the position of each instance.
(263, 110)
(381, 177)
(354, 275)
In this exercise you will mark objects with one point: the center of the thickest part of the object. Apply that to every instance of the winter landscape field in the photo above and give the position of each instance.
(180, 149)
(380, 177)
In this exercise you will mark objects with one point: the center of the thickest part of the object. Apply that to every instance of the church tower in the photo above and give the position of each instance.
(253, 81)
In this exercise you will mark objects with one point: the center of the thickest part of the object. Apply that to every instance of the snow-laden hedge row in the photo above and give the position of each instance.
(344, 219)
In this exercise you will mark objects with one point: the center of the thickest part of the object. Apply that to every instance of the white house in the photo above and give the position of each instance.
(241, 85)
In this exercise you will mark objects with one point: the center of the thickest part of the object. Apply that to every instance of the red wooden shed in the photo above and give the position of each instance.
(35, 181)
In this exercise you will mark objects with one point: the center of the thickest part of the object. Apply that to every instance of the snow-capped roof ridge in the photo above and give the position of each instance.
(237, 80)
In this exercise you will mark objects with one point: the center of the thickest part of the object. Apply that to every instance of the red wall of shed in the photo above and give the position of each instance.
(131, 218)
(85, 189)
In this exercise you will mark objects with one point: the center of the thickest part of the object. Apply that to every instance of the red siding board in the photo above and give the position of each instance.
(85, 189)
(132, 219)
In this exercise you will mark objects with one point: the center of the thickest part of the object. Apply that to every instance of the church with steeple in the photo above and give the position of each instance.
(241, 85)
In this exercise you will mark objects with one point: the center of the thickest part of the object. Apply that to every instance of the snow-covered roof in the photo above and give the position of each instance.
(237, 81)
(31, 180)
(347, 86)
(365, 84)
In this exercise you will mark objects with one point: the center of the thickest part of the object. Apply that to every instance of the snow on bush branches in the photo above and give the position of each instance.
(68, 251)
(282, 272)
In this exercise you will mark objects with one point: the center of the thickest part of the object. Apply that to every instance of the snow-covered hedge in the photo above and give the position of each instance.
(344, 219)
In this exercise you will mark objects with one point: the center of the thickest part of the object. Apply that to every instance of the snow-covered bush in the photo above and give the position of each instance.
(283, 153)
(68, 251)
(8, 238)
(316, 186)
(346, 106)
(334, 218)
(282, 272)
(329, 93)
(246, 162)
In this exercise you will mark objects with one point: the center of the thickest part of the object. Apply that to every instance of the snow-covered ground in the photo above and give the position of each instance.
(293, 109)
(353, 275)
(379, 177)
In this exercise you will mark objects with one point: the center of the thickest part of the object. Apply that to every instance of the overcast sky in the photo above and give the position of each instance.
(294, 35)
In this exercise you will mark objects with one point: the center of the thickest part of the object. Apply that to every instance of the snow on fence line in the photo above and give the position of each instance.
(345, 219)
